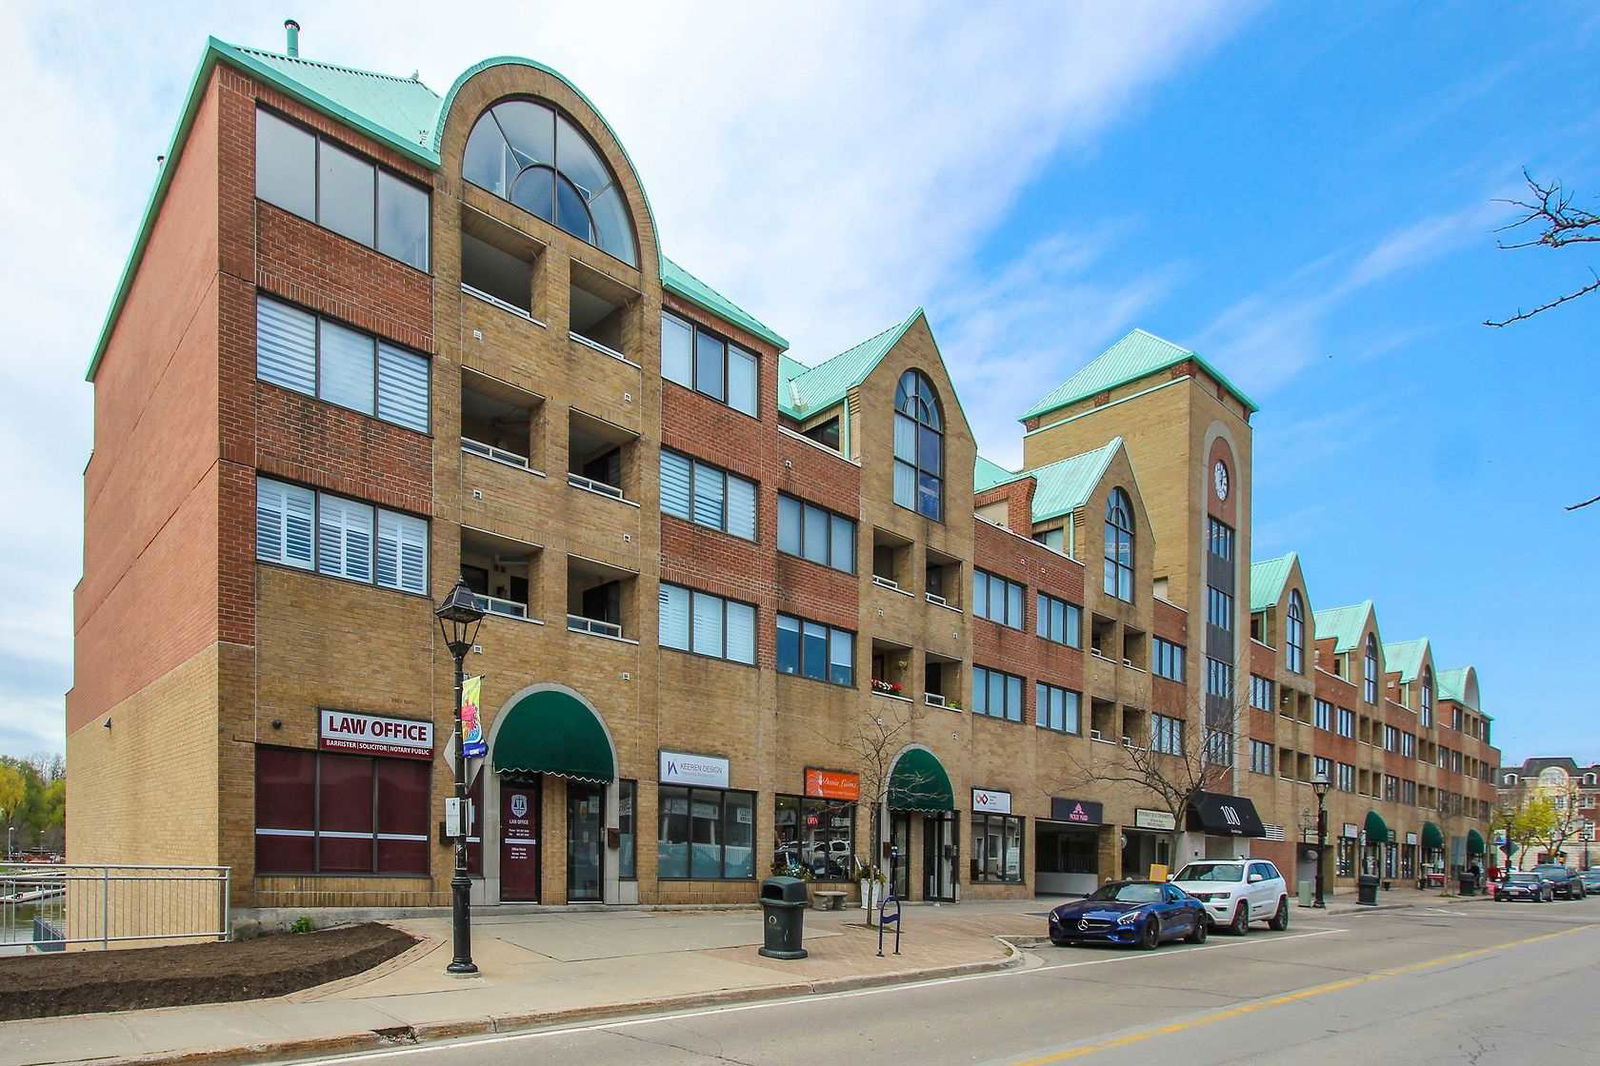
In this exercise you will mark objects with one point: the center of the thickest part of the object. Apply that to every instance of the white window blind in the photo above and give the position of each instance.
(344, 538)
(741, 507)
(676, 493)
(741, 632)
(402, 552)
(674, 605)
(844, 544)
(708, 491)
(742, 386)
(285, 517)
(789, 510)
(286, 346)
(402, 388)
(707, 624)
(346, 367)
(677, 350)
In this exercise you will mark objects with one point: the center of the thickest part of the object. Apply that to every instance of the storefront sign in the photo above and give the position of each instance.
(473, 744)
(1411, 838)
(368, 734)
(985, 801)
(833, 784)
(1148, 819)
(1081, 812)
(681, 768)
(1351, 831)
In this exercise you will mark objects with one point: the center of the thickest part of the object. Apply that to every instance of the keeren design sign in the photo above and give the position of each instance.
(833, 784)
(681, 768)
(369, 734)
(985, 801)
(1081, 812)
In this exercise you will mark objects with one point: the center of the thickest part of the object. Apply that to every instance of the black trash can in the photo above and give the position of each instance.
(783, 916)
(1367, 890)
(1469, 885)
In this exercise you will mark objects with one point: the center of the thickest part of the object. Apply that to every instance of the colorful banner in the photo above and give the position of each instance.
(474, 746)
(833, 784)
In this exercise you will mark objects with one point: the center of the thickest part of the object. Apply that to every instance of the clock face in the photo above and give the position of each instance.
(1219, 479)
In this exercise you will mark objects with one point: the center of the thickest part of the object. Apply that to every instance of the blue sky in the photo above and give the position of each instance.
(1300, 193)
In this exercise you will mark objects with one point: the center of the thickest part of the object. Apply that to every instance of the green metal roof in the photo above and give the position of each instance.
(1134, 356)
(1066, 484)
(986, 475)
(1406, 657)
(818, 388)
(1267, 579)
(1344, 624)
(1453, 686)
(400, 112)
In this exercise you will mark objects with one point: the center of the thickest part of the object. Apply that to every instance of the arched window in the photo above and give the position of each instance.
(529, 154)
(1119, 546)
(1295, 638)
(918, 446)
(1372, 668)
(1427, 695)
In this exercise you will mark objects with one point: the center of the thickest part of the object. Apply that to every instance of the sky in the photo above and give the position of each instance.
(1302, 193)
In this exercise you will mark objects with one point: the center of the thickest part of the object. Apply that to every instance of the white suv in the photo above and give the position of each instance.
(1237, 892)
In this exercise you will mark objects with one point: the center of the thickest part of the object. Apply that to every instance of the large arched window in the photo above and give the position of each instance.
(528, 153)
(1372, 668)
(1119, 546)
(1295, 637)
(1427, 696)
(918, 446)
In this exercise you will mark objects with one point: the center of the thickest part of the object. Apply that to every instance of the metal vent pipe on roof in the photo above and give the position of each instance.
(291, 30)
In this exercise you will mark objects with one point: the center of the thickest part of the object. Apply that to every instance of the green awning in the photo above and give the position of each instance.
(550, 732)
(919, 783)
(1475, 842)
(1432, 836)
(1377, 828)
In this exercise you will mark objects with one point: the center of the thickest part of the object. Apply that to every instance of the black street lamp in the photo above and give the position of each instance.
(459, 618)
(1320, 785)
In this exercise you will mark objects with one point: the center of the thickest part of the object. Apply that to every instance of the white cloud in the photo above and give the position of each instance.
(827, 165)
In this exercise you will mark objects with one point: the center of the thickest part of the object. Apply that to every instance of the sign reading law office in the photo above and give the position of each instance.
(370, 734)
(682, 768)
(832, 784)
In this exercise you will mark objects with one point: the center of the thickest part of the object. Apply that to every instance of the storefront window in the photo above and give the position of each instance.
(996, 847)
(1391, 860)
(324, 813)
(706, 834)
(818, 834)
(1346, 864)
(628, 846)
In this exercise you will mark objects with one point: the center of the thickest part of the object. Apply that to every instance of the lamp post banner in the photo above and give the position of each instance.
(473, 746)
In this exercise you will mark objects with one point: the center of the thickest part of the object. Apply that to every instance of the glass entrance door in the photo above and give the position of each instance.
(586, 804)
(939, 856)
(900, 862)
(519, 841)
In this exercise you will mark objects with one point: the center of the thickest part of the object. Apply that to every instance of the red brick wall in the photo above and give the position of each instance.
(1018, 497)
(1020, 652)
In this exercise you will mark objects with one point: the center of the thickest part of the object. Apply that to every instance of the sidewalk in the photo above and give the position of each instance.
(1344, 901)
(538, 970)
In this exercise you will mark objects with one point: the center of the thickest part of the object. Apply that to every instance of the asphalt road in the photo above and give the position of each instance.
(1465, 983)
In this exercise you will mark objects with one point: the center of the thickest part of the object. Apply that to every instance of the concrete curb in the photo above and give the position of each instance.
(408, 1035)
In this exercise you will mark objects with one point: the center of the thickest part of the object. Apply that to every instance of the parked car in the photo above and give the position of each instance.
(1564, 880)
(1130, 912)
(1591, 880)
(1520, 884)
(1237, 892)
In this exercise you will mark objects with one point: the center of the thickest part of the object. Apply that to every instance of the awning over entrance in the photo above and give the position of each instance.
(550, 732)
(1475, 842)
(1377, 828)
(919, 783)
(1222, 815)
(1432, 836)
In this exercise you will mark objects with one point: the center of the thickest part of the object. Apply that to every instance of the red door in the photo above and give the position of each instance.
(519, 841)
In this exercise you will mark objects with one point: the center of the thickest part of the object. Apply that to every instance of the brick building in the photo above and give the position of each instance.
(1571, 788)
(371, 340)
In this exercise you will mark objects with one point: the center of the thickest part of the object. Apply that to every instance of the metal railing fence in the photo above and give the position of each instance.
(47, 907)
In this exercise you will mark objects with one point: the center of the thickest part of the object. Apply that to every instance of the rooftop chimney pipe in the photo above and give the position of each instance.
(291, 29)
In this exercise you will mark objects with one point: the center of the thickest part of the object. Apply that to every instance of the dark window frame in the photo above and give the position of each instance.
(695, 330)
(1120, 540)
(832, 517)
(691, 792)
(827, 672)
(920, 404)
(975, 871)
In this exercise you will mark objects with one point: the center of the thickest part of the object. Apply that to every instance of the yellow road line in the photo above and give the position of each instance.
(1285, 999)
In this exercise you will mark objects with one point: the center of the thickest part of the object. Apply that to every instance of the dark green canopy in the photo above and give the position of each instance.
(1475, 843)
(1432, 836)
(550, 732)
(919, 783)
(1377, 828)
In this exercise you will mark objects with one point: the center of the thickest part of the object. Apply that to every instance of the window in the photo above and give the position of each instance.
(918, 446)
(627, 830)
(996, 848)
(1219, 747)
(1260, 757)
(1427, 696)
(317, 356)
(1119, 546)
(698, 359)
(996, 694)
(1219, 608)
(1166, 734)
(1219, 679)
(1408, 793)
(1219, 539)
(1408, 745)
(320, 181)
(1056, 708)
(327, 813)
(529, 154)
(1169, 660)
(1322, 766)
(817, 834)
(1057, 620)
(706, 834)
(995, 598)
(1347, 723)
(707, 625)
(707, 495)
(1391, 788)
(1371, 667)
(806, 530)
(311, 530)
(1324, 715)
(1261, 693)
(811, 649)
(1295, 638)
(1054, 539)
(1346, 779)
(1391, 738)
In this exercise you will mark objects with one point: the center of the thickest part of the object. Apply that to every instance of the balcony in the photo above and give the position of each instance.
(599, 456)
(941, 681)
(600, 599)
(891, 561)
(942, 583)
(498, 265)
(501, 422)
(598, 310)
(891, 669)
(502, 574)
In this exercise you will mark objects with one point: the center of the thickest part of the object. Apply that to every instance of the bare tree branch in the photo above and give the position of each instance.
(1522, 316)
(1549, 208)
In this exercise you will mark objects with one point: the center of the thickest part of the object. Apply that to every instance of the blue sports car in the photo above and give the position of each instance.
(1131, 912)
